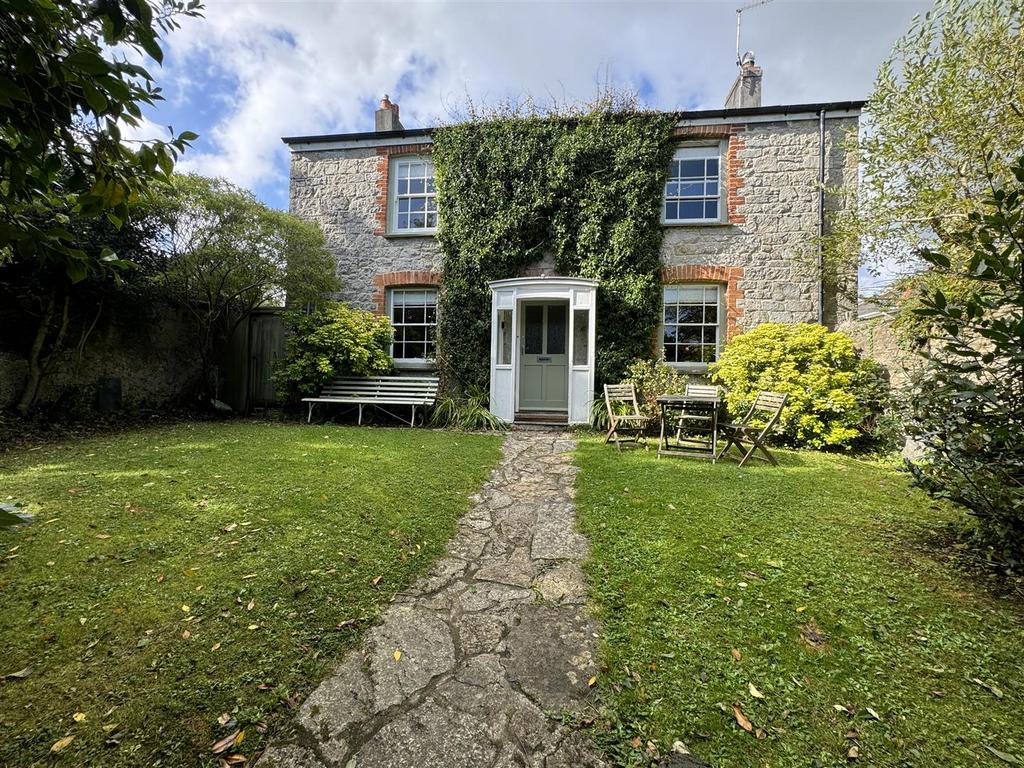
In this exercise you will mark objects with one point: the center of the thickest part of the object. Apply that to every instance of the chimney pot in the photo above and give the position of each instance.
(386, 118)
(746, 89)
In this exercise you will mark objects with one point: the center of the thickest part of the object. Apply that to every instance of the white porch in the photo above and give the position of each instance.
(542, 348)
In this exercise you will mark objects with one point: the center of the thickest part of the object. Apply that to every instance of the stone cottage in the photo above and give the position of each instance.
(742, 211)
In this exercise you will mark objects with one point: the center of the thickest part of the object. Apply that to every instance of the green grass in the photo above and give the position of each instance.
(175, 574)
(692, 560)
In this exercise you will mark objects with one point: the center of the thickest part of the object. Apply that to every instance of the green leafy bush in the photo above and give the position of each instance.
(833, 392)
(469, 413)
(335, 340)
(967, 408)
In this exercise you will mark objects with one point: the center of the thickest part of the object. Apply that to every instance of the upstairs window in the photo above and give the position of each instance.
(413, 313)
(413, 201)
(692, 322)
(693, 189)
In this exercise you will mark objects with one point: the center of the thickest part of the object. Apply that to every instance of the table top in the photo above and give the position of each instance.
(673, 399)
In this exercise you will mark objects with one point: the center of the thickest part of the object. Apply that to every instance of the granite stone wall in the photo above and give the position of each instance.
(767, 247)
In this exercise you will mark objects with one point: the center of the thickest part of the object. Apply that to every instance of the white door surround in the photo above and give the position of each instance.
(509, 299)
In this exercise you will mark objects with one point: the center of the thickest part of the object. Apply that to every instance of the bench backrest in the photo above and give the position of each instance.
(421, 388)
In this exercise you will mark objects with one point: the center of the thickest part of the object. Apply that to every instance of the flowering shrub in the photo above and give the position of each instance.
(833, 392)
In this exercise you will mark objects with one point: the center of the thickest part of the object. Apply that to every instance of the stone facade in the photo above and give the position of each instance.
(346, 191)
(764, 254)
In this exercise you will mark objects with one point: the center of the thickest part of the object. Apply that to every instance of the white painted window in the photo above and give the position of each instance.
(413, 198)
(413, 313)
(693, 192)
(692, 319)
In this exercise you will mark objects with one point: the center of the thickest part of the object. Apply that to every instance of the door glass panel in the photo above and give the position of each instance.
(504, 337)
(580, 336)
(533, 343)
(558, 319)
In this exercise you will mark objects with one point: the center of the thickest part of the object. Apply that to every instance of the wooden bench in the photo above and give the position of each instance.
(379, 391)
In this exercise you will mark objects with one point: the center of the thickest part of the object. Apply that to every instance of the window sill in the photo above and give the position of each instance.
(689, 367)
(415, 365)
(674, 224)
(406, 235)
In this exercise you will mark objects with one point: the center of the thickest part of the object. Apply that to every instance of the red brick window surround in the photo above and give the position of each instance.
(728, 277)
(734, 166)
(383, 182)
(384, 280)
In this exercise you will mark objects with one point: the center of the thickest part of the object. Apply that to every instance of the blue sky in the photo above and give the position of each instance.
(251, 72)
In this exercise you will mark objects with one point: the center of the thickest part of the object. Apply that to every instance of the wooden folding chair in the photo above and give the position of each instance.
(697, 419)
(624, 427)
(766, 404)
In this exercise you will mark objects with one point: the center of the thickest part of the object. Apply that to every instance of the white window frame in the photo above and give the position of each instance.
(395, 162)
(412, 362)
(720, 325)
(702, 151)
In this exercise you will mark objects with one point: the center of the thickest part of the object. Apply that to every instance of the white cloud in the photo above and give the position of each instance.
(287, 68)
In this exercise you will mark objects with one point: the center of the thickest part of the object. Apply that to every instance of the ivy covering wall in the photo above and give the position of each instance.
(586, 192)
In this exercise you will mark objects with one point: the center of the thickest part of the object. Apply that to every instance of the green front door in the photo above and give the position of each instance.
(543, 356)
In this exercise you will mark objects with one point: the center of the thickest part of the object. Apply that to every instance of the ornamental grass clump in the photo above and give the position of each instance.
(833, 392)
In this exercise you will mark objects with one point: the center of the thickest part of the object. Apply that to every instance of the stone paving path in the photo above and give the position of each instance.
(495, 643)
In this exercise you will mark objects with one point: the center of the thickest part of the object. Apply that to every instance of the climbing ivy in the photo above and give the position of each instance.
(585, 192)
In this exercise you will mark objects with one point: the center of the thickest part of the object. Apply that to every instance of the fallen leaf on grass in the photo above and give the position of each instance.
(254, 626)
(1004, 756)
(234, 760)
(854, 753)
(78, 717)
(376, 580)
(160, 579)
(397, 655)
(228, 741)
(61, 743)
(636, 742)
(988, 687)
(736, 654)
(754, 692)
(741, 719)
(215, 647)
(592, 681)
(251, 605)
(185, 609)
(21, 674)
(841, 708)
(224, 718)
(186, 635)
(874, 714)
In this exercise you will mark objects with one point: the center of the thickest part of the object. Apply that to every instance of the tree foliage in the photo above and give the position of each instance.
(950, 95)
(334, 340)
(583, 192)
(967, 410)
(224, 254)
(67, 88)
(833, 393)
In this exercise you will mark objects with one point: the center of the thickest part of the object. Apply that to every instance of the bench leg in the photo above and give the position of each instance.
(309, 417)
(412, 421)
(360, 406)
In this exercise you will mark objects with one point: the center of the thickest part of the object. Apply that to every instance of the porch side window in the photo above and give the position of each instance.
(692, 323)
(413, 313)
(412, 201)
(693, 190)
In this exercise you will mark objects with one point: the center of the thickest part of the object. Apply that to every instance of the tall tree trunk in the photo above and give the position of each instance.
(38, 363)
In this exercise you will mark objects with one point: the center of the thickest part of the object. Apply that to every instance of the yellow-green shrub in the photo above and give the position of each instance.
(832, 391)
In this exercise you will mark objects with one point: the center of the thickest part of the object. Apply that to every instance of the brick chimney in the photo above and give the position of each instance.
(746, 90)
(386, 118)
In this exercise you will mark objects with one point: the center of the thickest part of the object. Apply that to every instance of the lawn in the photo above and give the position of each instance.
(176, 574)
(811, 597)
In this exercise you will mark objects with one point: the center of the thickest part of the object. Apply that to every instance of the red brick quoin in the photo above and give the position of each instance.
(384, 280)
(383, 166)
(734, 166)
(703, 273)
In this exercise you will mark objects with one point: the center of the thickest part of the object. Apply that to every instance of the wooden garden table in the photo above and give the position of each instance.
(698, 414)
